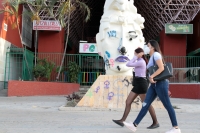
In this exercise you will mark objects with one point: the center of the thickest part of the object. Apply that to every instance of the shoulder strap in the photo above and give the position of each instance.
(154, 60)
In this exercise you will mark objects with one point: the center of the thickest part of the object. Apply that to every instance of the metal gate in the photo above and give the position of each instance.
(16, 67)
(92, 65)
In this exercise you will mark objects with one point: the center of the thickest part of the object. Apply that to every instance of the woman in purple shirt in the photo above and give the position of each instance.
(140, 87)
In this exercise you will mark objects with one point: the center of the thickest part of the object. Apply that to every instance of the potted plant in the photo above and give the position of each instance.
(73, 71)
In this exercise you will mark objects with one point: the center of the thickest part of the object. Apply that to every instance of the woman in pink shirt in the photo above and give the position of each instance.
(139, 63)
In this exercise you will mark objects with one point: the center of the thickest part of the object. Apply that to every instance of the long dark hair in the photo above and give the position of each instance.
(138, 50)
(155, 45)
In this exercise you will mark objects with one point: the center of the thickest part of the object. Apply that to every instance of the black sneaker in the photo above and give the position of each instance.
(118, 123)
(153, 126)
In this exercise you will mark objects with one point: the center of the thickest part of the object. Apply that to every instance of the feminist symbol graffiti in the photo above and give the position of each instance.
(110, 95)
(106, 83)
(119, 85)
(97, 89)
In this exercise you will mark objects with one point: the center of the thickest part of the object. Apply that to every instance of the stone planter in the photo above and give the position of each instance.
(35, 88)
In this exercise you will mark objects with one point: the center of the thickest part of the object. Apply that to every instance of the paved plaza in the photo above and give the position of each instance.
(41, 114)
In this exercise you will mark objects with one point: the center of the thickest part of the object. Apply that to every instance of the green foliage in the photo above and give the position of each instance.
(39, 5)
(39, 71)
(86, 10)
(36, 6)
(73, 70)
(43, 69)
(67, 7)
(62, 69)
(13, 6)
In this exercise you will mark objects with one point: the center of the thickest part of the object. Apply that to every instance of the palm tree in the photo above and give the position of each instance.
(12, 8)
(65, 10)
(36, 7)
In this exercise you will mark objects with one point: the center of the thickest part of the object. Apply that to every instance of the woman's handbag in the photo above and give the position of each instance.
(165, 74)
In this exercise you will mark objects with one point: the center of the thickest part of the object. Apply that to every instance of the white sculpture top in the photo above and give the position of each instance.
(119, 35)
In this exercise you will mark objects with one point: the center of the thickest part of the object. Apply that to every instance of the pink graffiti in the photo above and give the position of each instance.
(85, 47)
(111, 62)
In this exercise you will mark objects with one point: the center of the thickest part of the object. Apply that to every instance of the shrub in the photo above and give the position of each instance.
(73, 70)
(43, 69)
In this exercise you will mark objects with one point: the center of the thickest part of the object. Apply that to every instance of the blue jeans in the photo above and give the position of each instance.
(160, 89)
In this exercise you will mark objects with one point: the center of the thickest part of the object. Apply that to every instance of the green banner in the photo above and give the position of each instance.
(179, 28)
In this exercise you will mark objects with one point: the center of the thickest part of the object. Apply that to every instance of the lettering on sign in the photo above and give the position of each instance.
(46, 25)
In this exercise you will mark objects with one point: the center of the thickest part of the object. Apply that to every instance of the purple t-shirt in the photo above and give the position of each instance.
(139, 66)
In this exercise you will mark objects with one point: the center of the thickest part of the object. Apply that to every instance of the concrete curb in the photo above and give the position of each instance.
(179, 109)
(64, 108)
(189, 108)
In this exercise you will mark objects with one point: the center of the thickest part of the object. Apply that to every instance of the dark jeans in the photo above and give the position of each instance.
(160, 89)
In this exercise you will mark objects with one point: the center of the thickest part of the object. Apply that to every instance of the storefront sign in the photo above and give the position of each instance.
(46, 25)
(179, 28)
(88, 48)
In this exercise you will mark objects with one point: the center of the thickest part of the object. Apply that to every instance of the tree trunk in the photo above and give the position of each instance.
(36, 44)
(63, 58)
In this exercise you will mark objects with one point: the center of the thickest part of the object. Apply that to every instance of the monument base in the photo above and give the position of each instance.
(111, 91)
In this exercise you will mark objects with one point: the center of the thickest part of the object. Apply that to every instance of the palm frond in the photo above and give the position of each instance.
(40, 5)
(51, 7)
(67, 8)
(39, 2)
(84, 7)
(28, 13)
(10, 11)
(2, 11)
(12, 6)
(52, 3)
(33, 16)
(13, 25)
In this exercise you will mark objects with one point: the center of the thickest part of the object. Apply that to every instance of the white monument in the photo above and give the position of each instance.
(119, 35)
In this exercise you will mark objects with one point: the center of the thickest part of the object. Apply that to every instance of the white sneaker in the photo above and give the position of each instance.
(174, 130)
(130, 126)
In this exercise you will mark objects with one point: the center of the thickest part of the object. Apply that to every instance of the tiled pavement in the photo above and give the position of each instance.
(42, 115)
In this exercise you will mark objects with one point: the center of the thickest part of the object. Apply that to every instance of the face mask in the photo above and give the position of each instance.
(146, 49)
